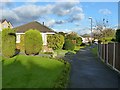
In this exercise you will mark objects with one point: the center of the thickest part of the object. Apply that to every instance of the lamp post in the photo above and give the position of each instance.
(91, 28)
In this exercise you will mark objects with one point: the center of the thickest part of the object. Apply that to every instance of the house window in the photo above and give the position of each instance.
(18, 38)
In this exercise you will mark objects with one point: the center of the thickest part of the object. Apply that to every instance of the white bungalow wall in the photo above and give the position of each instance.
(44, 37)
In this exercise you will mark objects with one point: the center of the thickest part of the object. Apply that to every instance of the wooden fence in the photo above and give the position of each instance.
(110, 54)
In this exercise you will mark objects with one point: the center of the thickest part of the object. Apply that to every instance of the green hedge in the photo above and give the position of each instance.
(8, 42)
(33, 42)
(55, 41)
(118, 35)
(69, 45)
(0, 42)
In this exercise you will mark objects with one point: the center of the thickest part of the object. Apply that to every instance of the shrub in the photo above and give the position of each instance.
(0, 42)
(118, 35)
(33, 42)
(8, 42)
(78, 41)
(55, 41)
(69, 45)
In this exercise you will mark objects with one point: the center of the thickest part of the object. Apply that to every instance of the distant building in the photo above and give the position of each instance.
(5, 24)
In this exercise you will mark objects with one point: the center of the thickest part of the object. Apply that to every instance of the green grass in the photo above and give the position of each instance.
(63, 52)
(31, 72)
(95, 50)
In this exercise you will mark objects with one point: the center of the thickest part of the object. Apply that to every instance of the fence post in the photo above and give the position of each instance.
(107, 53)
(114, 56)
(101, 51)
(104, 53)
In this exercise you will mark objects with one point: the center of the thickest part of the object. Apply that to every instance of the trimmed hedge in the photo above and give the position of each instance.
(69, 45)
(55, 41)
(33, 42)
(0, 42)
(8, 42)
(118, 35)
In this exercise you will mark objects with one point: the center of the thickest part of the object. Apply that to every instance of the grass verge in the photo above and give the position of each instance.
(32, 72)
(94, 50)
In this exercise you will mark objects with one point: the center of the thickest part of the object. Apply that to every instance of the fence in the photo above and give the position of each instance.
(110, 54)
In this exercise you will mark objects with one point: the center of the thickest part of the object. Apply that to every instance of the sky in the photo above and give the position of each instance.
(63, 16)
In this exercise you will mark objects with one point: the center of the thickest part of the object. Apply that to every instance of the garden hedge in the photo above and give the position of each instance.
(55, 41)
(33, 42)
(69, 45)
(118, 35)
(8, 42)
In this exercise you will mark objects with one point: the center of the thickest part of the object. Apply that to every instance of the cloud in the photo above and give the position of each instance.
(76, 17)
(29, 12)
(62, 9)
(105, 11)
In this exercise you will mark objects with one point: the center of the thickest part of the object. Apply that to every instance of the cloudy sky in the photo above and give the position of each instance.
(60, 16)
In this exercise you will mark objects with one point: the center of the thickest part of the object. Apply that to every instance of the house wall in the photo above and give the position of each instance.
(44, 37)
(5, 24)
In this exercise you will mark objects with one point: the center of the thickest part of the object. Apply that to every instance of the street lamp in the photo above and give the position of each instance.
(91, 28)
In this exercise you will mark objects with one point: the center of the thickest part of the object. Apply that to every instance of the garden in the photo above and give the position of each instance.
(31, 70)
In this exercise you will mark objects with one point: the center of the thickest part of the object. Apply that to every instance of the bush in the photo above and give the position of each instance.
(69, 45)
(8, 42)
(0, 42)
(118, 35)
(33, 42)
(55, 41)
(78, 41)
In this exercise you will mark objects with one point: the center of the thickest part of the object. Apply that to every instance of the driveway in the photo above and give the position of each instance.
(87, 71)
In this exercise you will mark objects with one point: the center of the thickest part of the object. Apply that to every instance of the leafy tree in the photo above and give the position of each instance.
(8, 42)
(78, 41)
(104, 35)
(33, 42)
(118, 35)
(55, 41)
(75, 38)
(69, 45)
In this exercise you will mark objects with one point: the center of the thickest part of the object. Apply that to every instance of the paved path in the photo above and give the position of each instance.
(88, 71)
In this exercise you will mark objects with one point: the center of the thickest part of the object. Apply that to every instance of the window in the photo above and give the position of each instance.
(18, 38)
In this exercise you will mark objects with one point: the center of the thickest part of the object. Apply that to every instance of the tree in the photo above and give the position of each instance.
(33, 42)
(69, 45)
(104, 35)
(78, 41)
(8, 42)
(75, 38)
(55, 41)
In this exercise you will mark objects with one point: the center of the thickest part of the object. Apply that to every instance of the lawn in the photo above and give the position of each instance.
(95, 50)
(31, 72)
(61, 53)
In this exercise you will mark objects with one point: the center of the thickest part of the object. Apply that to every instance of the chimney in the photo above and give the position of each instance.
(43, 23)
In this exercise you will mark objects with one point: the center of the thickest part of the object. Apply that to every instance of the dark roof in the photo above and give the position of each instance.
(33, 25)
(3, 20)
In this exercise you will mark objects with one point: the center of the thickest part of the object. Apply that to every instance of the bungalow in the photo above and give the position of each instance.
(44, 30)
(20, 30)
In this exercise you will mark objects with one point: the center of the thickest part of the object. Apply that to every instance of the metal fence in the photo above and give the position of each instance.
(110, 54)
